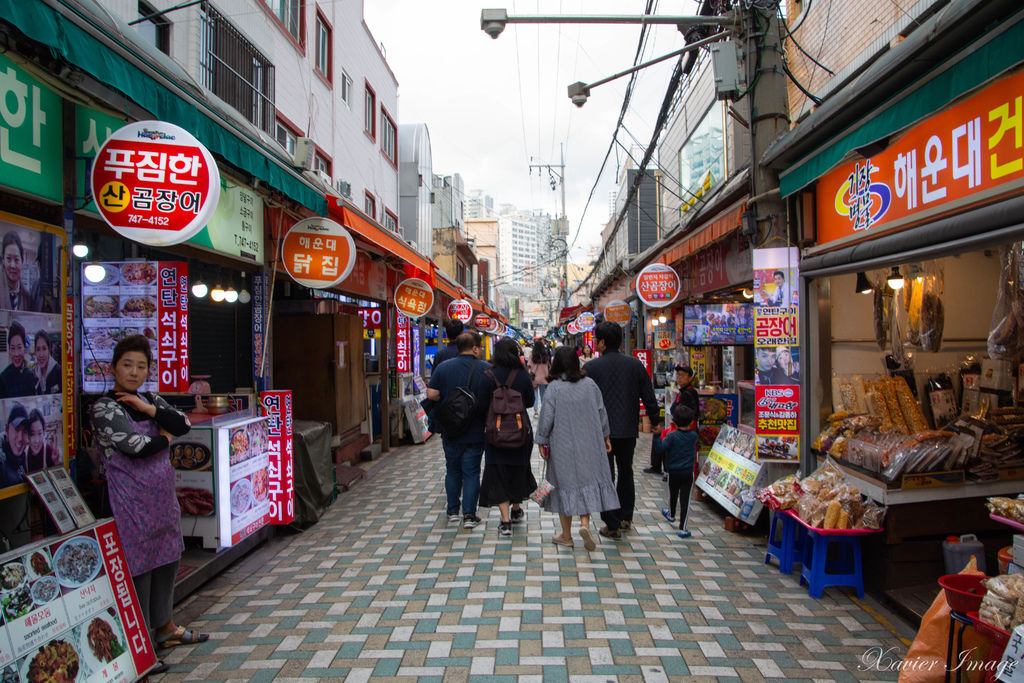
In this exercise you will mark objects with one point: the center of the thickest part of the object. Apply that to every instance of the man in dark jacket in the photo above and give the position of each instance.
(623, 381)
(687, 396)
(452, 329)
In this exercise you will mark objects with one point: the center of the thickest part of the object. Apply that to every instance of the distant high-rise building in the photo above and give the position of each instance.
(522, 242)
(415, 183)
(479, 205)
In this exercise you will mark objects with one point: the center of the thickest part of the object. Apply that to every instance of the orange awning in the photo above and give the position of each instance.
(717, 227)
(363, 228)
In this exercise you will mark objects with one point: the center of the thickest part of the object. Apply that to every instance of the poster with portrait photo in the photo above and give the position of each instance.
(776, 276)
(777, 365)
(30, 360)
(31, 436)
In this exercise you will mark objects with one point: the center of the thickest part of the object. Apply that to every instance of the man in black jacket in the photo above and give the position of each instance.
(452, 329)
(624, 382)
(687, 396)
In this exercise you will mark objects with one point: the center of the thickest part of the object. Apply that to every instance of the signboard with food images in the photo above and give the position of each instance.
(70, 612)
(192, 457)
(730, 476)
(715, 411)
(414, 297)
(318, 253)
(657, 285)
(71, 497)
(55, 507)
(136, 297)
(618, 311)
(460, 309)
(242, 479)
(155, 183)
(277, 407)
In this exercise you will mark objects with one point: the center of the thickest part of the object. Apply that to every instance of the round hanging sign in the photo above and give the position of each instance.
(413, 297)
(154, 183)
(572, 327)
(318, 253)
(617, 311)
(494, 327)
(586, 321)
(482, 321)
(460, 309)
(657, 285)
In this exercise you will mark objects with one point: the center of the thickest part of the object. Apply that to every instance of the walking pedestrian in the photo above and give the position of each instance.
(679, 449)
(508, 479)
(624, 383)
(573, 438)
(687, 396)
(462, 450)
(452, 329)
(539, 365)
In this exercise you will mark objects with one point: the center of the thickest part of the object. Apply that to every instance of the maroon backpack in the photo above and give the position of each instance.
(507, 424)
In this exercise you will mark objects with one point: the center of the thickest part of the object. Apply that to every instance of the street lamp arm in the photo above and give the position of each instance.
(493, 21)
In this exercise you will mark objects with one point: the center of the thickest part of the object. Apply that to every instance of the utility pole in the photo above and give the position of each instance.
(562, 231)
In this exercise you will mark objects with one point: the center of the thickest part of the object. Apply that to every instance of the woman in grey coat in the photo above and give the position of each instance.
(573, 438)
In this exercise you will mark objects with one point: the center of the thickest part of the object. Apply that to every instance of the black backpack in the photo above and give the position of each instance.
(455, 412)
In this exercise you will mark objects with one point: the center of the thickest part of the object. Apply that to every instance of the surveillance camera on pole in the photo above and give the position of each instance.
(493, 21)
(578, 93)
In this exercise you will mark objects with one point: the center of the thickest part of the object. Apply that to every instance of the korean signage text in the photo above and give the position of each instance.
(414, 297)
(657, 285)
(318, 253)
(277, 405)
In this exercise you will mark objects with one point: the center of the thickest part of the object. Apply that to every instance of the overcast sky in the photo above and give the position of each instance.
(493, 107)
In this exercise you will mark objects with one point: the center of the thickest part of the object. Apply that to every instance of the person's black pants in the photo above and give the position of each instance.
(657, 459)
(679, 485)
(620, 460)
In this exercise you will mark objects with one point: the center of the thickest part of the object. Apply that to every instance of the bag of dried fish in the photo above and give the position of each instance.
(881, 314)
(932, 314)
(1006, 340)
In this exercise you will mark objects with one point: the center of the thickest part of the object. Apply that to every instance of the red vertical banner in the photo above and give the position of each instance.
(277, 405)
(68, 372)
(588, 339)
(645, 357)
(402, 344)
(172, 326)
(125, 599)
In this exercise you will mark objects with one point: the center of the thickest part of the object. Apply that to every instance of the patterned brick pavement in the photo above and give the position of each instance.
(385, 587)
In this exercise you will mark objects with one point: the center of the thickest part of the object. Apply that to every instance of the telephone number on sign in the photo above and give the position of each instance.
(152, 220)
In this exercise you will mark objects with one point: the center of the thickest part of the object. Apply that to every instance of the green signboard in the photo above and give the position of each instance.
(236, 228)
(92, 128)
(30, 134)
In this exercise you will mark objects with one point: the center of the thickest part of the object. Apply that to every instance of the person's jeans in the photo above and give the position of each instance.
(462, 476)
(620, 460)
(541, 388)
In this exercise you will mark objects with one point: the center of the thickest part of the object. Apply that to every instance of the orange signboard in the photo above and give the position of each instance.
(962, 155)
(617, 311)
(413, 297)
(318, 253)
(657, 285)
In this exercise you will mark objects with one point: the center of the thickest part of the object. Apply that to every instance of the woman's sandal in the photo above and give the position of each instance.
(181, 636)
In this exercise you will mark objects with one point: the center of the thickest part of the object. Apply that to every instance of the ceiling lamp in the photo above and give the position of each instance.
(95, 272)
(231, 296)
(80, 249)
(199, 289)
(217, 293)
(863, 284)
(654, 322)
(243, 296)
(662, 319)
(895, 280)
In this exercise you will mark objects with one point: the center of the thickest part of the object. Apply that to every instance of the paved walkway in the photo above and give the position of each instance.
(385, 587)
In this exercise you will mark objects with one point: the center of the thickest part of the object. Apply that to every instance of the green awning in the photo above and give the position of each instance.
(985, 62)
(45, 25)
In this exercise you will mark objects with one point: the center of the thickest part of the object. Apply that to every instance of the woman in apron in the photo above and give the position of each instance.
(133, 431)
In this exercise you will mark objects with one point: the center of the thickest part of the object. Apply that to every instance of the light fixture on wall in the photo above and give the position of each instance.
(863, 284)
(895, 280)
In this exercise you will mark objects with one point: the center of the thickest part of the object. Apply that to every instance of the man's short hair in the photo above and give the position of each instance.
(467, 341)
(610, 334)
(780, 274)
(453, 328)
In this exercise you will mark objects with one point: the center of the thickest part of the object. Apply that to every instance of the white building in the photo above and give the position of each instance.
(415, 174)
(522, 249)
(479, 204)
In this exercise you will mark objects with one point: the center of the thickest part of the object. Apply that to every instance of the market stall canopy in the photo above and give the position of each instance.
(570, 313)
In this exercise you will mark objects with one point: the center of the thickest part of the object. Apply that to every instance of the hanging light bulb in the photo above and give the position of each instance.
(230, 295)
(662, 319)
(895, 280)
(217, 293)
(243, 296)
(863, 284)
(80, 249)
(654, 322)
(199, 289)
(748, 293)
(95, 272)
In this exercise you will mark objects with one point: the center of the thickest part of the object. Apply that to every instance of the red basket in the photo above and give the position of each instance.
(963, 591)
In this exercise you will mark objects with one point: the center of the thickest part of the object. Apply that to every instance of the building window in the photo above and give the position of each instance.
(370, 112)
(390, 221)
(323, 46)
(321, 163)
(388, 136)
(154, 30)
(289, 13)
(234, 70)
(286, 137)
(370, 205)
(460, 274)
(346, 88)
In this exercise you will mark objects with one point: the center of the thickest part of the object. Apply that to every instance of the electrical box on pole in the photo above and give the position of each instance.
(725, 67)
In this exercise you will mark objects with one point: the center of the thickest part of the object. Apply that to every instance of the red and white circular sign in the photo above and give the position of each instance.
(318, 253)
(482, 322)
(657, 285)
(494, 326)
(586, 321)
(414, 297)
(460, 309)
(154, 183)
(617, 311)
(572, 327)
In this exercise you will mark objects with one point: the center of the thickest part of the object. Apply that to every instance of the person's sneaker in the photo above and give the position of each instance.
(454, 518)
(669, 517)
(470, 521)
(651, 470)
(683, 534)
(610, 533)
(664, 477)
(505, 528)
(517, 515)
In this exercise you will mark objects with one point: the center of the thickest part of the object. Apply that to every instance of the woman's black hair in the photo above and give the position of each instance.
(506, 354)
(34, 416)
(17, 331)
(540, 353)
(42, 334)
(135, 342)
(566, 365)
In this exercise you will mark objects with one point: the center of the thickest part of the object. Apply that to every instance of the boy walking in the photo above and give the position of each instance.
(679, 449)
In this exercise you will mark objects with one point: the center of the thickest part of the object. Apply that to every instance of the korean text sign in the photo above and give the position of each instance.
(277, 405)
(155, 183)
(969, 150)
(30, 133)
(414, 297)
(318, 253)
(460, 309)
(618, 311)
(658, 285)
(403, 360)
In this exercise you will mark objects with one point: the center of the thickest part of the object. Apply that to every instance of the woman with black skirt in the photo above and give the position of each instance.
(508, 479)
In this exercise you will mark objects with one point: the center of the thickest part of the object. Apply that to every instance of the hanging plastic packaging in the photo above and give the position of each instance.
(1006, 340)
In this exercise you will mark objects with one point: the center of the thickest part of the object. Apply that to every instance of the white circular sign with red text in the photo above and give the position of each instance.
(460, 309)
(155, 183)
(658, 285)
(482, 322)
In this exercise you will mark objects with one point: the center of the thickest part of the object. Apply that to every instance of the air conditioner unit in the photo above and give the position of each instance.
(323, 178)
(304, 151)
(344, 188)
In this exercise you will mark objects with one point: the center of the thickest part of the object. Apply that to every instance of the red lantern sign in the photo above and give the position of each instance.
(482, 322)
(414, 297)
(657, 285)
(460, 309)
(318, 253)
(618, 311)
(154, 183)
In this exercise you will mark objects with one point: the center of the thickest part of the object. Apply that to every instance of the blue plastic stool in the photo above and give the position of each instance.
(789, 546)
(845, 570)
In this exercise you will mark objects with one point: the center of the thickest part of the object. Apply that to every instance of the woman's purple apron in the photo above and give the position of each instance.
(145, 505)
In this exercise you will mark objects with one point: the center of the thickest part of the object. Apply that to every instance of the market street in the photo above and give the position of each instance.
(384, 587)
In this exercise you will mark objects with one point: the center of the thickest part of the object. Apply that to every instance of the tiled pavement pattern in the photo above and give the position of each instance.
(385, 588)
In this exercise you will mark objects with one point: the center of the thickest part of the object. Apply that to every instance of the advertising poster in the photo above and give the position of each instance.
(70, 611)
(776, 352)
(645, 356)
(715, 412)
(136, 297)
(730, 476)
(192, 459)
(403, 358)
(276, 406)
(32, 360)
(242, 478)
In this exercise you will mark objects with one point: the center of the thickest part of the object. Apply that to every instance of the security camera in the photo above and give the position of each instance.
(493, 21)
(578, 93)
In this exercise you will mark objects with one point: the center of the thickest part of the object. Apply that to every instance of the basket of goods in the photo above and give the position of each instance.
(964, 592)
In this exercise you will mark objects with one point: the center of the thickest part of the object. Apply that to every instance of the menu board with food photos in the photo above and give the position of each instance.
(192, 459)
(70, 612)
(52, 501)
(730, 475)
(242, 479)
(136, 297)
(71, 496)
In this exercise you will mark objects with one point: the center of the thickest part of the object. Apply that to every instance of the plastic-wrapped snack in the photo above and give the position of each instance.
(932, 314)
(1010, 508)
(827, 476)
(872, 517)
(876, 406)
(781, 495)
(892, 406)
(828, 434)
(1001, 597)
(911, 409)
(832, 513)
(853, 509)
(811, 510)
(839, 447)
(1006, 339)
